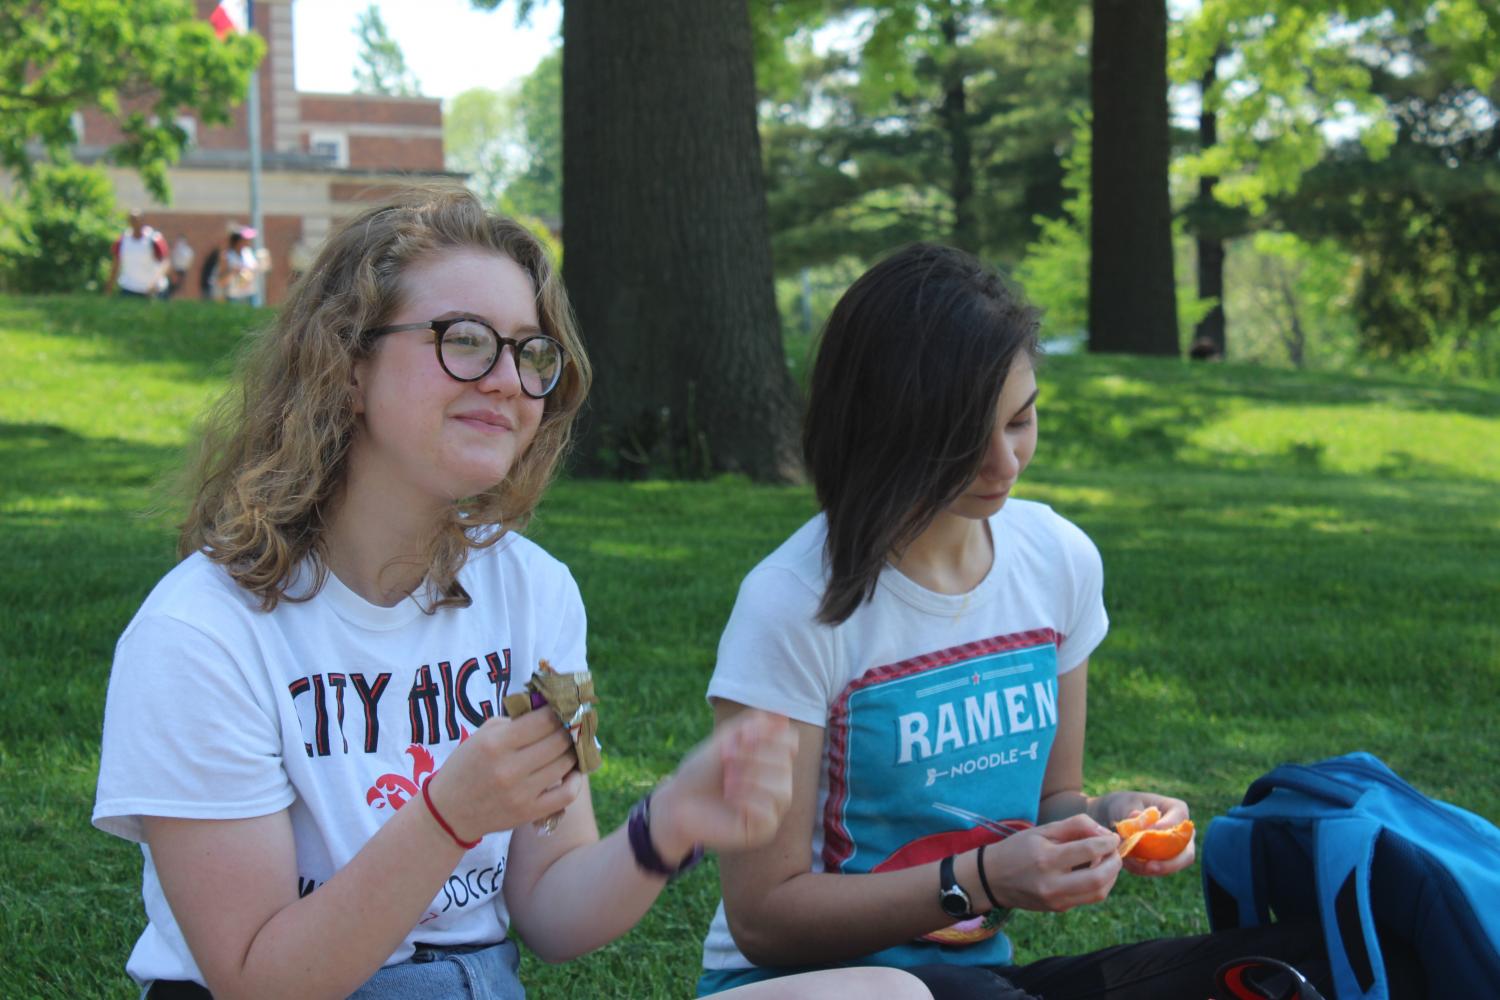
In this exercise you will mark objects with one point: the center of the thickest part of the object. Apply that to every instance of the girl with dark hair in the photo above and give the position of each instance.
(304, 728)
(929, 636)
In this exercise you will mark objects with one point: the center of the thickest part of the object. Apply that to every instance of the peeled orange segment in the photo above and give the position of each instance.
(1128, 844)
(1141, 840)
(1143, 820)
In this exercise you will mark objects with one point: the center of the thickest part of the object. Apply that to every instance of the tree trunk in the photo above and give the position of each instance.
(1210, 330)
(668, 256)
(955, 116)
(1132, 295)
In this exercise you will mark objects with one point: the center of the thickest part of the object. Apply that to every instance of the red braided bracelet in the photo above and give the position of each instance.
(467, 845)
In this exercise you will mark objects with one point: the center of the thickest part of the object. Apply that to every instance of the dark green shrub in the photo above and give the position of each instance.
(55, 236)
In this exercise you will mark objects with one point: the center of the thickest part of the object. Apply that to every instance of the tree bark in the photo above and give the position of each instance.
(1211, 328)
(668, 256)
(955, 115)
(1132, 294)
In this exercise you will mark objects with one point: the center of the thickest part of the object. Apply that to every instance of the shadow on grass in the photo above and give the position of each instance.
(79, 557)
(40, 463)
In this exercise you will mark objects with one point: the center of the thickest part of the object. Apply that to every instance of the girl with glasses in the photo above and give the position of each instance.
(304, 727)
(929, 635)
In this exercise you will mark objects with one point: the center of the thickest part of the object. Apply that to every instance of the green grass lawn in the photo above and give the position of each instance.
(1297, 565)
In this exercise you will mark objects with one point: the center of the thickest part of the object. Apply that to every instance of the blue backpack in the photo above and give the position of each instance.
(1346, 842)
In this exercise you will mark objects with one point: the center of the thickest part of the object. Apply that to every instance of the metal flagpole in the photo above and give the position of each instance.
(257, 223)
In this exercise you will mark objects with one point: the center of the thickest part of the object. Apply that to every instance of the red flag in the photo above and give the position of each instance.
(228, 17)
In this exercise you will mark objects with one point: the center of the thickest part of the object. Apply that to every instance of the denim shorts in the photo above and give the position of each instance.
(464, 972)
(460, 972)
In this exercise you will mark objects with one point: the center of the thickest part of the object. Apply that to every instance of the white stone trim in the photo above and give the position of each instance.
(376, 129)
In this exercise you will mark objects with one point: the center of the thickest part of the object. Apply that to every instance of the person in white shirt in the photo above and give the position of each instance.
(304, 725)
(929, 635)
(138, 261)
(181, 259)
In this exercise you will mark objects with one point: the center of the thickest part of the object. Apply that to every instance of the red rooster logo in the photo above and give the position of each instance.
(395, 790)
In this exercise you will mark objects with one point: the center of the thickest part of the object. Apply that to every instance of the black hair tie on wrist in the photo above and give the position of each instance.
(1002, 913)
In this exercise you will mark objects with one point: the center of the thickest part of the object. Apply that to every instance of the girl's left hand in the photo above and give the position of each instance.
(731, 791)
(1110, 809)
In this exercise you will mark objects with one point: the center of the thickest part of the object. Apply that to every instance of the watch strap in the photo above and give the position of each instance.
(949, 889)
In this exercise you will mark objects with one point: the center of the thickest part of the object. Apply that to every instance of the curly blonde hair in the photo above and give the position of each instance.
(272, 463)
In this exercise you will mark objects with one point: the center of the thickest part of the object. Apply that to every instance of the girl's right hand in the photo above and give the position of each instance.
(509, 772)
(1054, 867)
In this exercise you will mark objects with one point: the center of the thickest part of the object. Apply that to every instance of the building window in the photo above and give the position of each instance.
(76, 121)
(332, 147)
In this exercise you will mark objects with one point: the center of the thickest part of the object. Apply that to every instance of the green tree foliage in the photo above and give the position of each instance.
(891, 121)
(477, 127)
(1055, 270)
(535, 187)
(1291, 299)
(140, 62)
(382, 66)
(1370, 124)
(1421, 223)
(510, 143)
(1293, 67)
(56, 237)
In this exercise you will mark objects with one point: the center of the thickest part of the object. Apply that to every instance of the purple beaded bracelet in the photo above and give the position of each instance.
(639, 829)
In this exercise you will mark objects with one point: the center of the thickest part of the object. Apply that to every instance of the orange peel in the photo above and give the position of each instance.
(1140, 839)
(963, 933)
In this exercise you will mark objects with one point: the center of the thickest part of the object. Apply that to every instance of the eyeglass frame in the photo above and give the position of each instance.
(441, 327)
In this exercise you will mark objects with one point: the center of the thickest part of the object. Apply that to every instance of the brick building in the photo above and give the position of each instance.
(320, 155)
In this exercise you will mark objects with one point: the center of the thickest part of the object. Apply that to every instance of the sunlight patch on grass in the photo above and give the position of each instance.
(68, 503)
(621, 549)
(1121, 386)
(1355, 439)
(1072, 496)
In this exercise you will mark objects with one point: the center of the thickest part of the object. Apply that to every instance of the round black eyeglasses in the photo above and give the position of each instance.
(468, 349)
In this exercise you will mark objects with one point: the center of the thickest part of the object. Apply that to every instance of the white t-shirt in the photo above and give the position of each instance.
(334, 708)
(241, 266)
(939, 710)
(140, 267)
(182, 255)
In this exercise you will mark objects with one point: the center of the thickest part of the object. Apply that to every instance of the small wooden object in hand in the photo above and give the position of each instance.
(572, 697)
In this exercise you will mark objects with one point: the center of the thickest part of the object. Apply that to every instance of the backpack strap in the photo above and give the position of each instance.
(1307, 780)
(1231, 887)
(1345, 848)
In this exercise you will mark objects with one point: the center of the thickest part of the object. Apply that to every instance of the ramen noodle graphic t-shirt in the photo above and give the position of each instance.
(938, 710)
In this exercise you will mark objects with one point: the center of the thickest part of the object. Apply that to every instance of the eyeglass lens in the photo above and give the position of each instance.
(469, 350)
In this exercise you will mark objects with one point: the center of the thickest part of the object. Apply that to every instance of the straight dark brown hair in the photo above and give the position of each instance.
(902, 404)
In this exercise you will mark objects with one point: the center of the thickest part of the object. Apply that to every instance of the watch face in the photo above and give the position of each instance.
(955, 902)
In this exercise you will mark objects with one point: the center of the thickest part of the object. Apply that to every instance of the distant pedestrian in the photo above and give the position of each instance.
(182, 260)
(239, 266)
(1205, 349)
(138, 261)
(207, 274)
(229, 272)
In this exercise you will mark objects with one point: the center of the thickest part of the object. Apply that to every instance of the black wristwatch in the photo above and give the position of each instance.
(951, 896)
